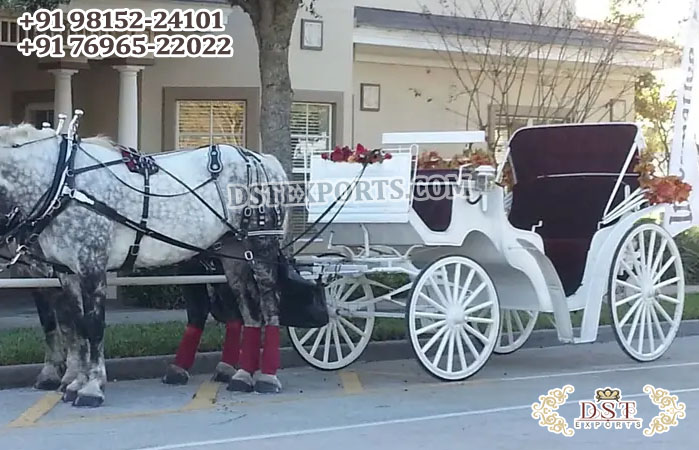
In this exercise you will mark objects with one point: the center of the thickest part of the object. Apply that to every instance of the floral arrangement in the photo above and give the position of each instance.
(432, 160)
(664, 189)
(360, 155)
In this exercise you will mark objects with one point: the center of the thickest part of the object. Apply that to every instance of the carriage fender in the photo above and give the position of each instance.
(599, 264)
(518, 285)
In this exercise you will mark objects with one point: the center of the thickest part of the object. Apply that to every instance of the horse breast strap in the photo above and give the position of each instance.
(146, 166)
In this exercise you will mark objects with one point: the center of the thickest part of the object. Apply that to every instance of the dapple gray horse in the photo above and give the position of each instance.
(90, 244)
(201, 302)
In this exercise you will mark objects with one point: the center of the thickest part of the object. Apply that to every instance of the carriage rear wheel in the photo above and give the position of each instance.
(453, 317)
(516, 325)
(646, 292)
(351, 322)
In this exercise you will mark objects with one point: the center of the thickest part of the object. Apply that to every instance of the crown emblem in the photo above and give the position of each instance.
(607, 394)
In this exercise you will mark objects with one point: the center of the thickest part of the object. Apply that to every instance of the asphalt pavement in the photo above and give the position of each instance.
(373, 405)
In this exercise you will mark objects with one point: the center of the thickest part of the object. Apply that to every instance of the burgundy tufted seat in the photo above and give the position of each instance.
(570, 209)
(565, 176)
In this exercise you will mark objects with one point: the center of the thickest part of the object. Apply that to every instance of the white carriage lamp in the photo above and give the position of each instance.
(485, 178)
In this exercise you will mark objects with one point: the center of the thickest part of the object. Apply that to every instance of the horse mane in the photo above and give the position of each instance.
(102, 141)
(21, 134)
(26, 132)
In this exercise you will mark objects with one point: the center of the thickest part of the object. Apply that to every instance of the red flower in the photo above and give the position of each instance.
(346, 153)
(337, 155)
(361, 155)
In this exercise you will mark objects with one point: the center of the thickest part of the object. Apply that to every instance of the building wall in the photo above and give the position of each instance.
(425, 98)
(328, 71)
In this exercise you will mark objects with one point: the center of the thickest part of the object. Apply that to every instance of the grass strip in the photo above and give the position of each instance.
(25, 345)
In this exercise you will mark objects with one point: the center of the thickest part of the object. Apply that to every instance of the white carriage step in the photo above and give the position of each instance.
(433, 137)
(564, 326)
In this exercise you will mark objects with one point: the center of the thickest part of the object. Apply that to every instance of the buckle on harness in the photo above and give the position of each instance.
(133, 250)
(247, 212)
(248, 255)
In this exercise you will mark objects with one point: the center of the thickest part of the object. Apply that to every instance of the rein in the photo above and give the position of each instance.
(62, 192)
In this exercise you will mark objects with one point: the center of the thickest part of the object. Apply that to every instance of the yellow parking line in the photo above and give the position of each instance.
(350, 382)
(204, 398)
(37, 410)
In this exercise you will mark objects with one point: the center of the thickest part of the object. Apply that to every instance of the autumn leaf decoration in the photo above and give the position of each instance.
(666, 189)
(433, 160)
(360, 155)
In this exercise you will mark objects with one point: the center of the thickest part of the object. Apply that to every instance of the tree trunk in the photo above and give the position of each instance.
(275, 116)
(273, 21)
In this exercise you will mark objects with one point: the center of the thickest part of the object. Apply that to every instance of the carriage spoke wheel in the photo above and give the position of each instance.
(646, 292)
(516, 325)
(351, 322)
(453, 317)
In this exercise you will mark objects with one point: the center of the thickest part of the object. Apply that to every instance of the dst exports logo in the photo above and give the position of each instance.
(607, 410)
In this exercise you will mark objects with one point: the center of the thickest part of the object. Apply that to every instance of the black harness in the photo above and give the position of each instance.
(62, 192)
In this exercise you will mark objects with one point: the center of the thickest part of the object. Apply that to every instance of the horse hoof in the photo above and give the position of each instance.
(88, 401)
(240, 382)
(69, 395)
(224, 372)
(48, 385)
(267, 384)
(175, 375)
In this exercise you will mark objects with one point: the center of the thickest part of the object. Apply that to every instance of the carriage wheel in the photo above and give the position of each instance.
(516, 325)
(646, 292)
(340, 342)
(453, 317)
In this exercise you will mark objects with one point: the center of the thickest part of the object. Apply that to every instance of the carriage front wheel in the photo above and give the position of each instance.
(338, 344)
(453, 317)
(646, 292)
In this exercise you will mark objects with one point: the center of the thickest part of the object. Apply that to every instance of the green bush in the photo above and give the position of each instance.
(157, 297)
(688, 243)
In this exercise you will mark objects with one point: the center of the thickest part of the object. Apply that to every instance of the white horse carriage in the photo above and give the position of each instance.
(578, 231)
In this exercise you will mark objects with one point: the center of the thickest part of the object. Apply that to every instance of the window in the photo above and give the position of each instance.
(617, 110)
(206, 122)
(311, 131)
(38, 113)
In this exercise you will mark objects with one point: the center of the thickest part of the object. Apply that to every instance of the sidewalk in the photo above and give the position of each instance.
(17, 310)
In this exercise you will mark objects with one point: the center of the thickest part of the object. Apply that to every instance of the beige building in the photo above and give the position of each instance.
(357, 74)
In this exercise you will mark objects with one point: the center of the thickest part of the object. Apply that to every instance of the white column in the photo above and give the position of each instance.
(128, 105)
(63, 93)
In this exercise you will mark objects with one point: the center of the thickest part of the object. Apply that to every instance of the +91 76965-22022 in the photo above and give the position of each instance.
(124, 33)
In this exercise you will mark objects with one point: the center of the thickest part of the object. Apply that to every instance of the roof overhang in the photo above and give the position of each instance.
(376, 28)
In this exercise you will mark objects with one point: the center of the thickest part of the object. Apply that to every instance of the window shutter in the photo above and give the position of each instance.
(205, 122)
(311, 130)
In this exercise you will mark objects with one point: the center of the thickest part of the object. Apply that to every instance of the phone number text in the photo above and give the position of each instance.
(128, 46)
(123, 19)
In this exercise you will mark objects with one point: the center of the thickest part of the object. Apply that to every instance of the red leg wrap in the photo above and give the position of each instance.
(188, 347)
(250, 353)
(271, 358)
(231, 346)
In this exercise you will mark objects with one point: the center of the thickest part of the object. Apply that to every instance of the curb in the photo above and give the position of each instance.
(143, 367)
